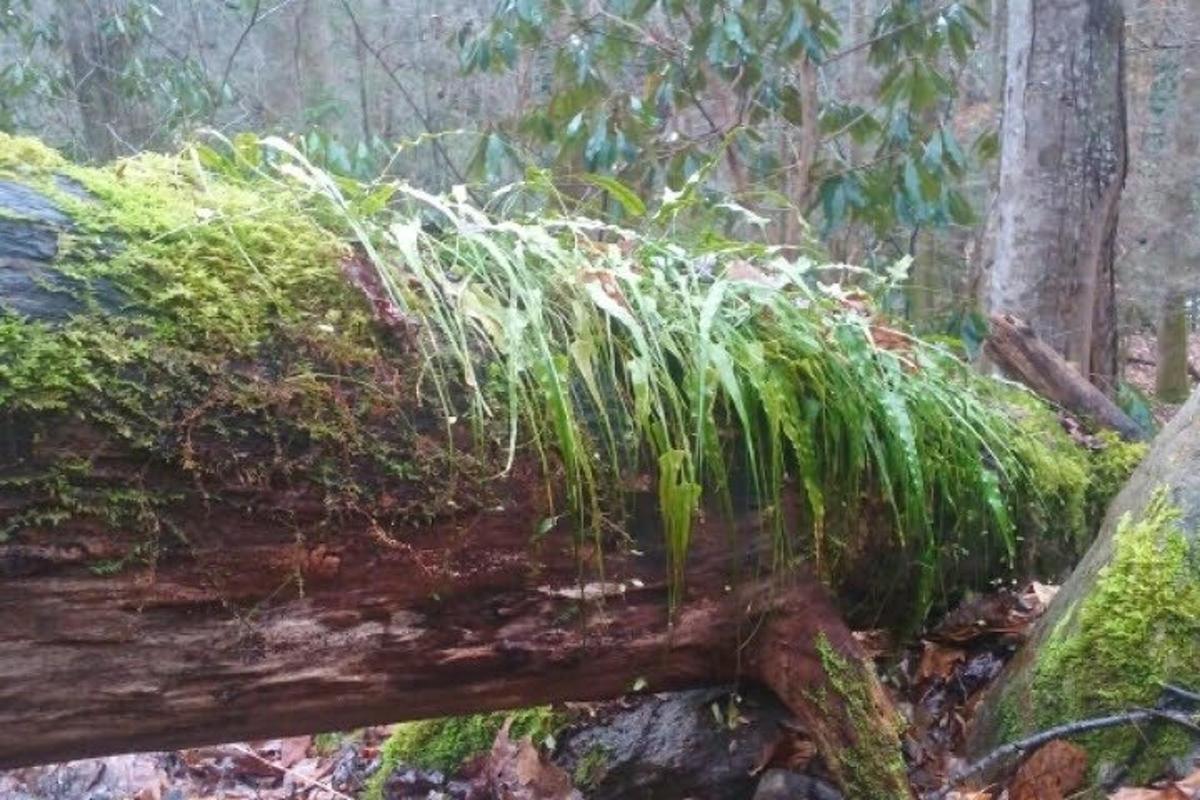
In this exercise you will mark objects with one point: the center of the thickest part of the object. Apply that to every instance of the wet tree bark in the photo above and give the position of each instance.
(1171, 379)
(1062, 167)
(146, 604)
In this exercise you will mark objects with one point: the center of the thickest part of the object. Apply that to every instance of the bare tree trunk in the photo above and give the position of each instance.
(1063, 161)
(113, 124)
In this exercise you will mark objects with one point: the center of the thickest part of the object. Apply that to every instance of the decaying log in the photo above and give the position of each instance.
(1016, 349)
(193, 551)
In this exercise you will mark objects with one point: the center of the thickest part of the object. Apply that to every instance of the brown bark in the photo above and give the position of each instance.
(252, 632)
(1063, 162)
(1019, 352)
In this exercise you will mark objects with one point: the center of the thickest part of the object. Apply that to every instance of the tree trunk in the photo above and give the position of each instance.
(1062, 166)
(280, 536)
(1171, 380)
(1124, 624)
(114, 123)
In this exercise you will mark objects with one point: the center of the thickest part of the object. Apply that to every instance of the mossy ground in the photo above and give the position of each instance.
(1137, 628)
(444, 744)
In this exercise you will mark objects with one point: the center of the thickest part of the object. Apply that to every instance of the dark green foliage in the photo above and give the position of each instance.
(694, 61)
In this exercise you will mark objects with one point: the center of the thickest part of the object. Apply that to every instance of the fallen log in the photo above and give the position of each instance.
(229, 510)
(1015, 347)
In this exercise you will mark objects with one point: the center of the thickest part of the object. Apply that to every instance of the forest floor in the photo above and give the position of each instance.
(1140, 354)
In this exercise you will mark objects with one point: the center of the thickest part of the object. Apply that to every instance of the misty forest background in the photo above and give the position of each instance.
(579, 90)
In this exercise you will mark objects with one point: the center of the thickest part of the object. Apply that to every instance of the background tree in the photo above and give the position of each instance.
(1062, 166)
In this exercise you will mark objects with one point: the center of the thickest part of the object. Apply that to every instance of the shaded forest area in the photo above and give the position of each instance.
(557, 398)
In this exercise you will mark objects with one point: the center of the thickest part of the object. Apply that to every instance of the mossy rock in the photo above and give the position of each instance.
(444, 744)
(1126, 622)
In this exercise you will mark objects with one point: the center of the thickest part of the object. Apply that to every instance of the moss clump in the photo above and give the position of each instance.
(1068, 485)
(591, 768)
(209, 330)
(1111, 466)
(872, 768)
(21, 154)
(444, 744)
(1137, 628)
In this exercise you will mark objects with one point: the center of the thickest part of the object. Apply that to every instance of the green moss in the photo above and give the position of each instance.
(1138, 627)
(1111, 466)
(444, 744)
(1066, 487)
(591, 768)
(23, 154)
(212, 329)
(873, 767)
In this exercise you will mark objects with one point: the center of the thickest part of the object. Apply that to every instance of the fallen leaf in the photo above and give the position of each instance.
(517, 771)
(983, 615)
(1172, 792)
(1043, 593)
(875, 642)
(1053, 771)
(938, 661)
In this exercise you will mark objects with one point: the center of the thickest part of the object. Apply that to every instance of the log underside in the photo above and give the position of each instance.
(252, 632)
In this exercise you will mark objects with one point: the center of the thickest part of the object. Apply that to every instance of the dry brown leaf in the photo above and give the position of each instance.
(1053, 771)
(1136, 794)
(875, 642)
(1042, 593)
(938, 661)
(1191, 783)
(983, 615)
(517, 771)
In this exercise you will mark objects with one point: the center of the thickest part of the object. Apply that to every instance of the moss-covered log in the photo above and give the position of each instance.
(228, 508)
(1126, 622)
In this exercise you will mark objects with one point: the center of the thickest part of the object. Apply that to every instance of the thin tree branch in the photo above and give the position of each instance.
(854, 48)
(1019, 747)
(408, 98)
(237, 47)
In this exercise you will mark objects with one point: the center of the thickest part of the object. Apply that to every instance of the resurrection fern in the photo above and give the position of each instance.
(724, 373)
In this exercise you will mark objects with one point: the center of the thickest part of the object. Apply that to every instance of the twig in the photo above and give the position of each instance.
(1132, 717)
(312, 782)
(237, 47)
(1181, 693)
(399, 84)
